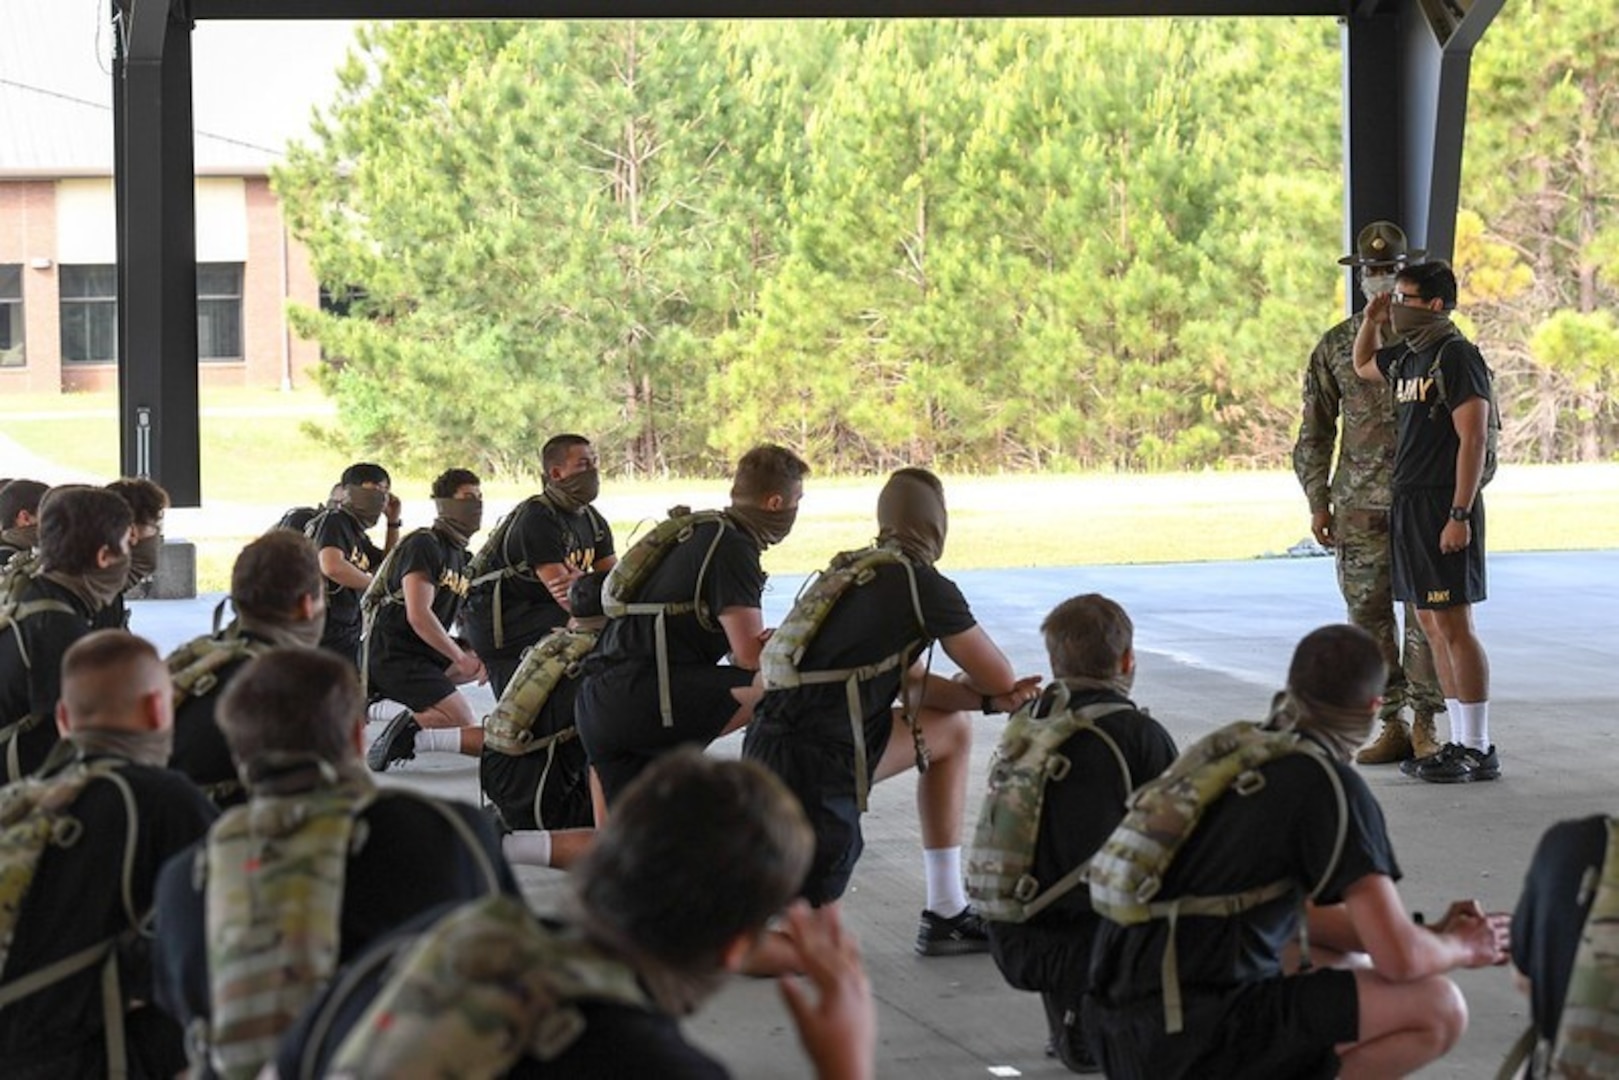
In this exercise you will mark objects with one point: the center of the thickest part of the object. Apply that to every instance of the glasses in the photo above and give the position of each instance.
(1403, 297)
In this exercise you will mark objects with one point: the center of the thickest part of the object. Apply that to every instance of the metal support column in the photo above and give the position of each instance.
(157, 281)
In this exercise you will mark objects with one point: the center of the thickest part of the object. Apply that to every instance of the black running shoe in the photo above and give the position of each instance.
(1410, 766)
(939, 936)
(396, 743)
(1462, 765)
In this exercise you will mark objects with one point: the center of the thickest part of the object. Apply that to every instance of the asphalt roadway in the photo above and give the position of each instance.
(1213, 641)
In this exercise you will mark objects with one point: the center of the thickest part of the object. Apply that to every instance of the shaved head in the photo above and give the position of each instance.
(113, 680)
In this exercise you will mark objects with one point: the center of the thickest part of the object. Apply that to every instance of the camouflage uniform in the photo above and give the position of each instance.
(1358, 499)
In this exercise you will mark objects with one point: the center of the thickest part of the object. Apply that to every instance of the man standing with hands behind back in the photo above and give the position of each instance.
(1350, 514)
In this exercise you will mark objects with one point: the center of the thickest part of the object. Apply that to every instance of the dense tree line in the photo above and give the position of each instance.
(1029, 244)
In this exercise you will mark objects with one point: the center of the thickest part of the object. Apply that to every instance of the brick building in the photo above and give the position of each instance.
(58, 240)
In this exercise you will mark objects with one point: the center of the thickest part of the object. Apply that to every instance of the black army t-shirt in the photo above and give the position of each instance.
(1425, 454)
(868, 623)
(200, 750)
(1285, 830)
(1551, 912)
(428, 552)
(733, 579)
(341, 530)
(540, 534)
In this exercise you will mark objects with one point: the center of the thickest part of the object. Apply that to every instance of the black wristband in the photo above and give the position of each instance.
(986, 705)
(395, 524)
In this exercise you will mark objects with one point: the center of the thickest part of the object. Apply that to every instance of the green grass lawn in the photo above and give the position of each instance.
(257, 461)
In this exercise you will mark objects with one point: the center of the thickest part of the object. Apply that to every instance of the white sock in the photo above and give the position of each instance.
(381, 711)
(443, 740)
(947, 895)
(1475, 725)
(527, 848)
(1453, 712)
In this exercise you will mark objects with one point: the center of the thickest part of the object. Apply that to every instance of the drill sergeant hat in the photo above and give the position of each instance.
(1382, 243)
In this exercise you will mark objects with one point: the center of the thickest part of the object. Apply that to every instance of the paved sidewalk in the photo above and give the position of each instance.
(1213, 640)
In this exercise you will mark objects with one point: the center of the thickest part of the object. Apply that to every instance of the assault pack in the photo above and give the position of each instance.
(37, 813)
(1585, 1045)
(1492, 426)
(298, 518)
(194, 670)
(1128, 871)
(780, 660)
(630, 574)
(479, 988)
(1000, 869)
(274, 872)
(510, 728)
(15, 578)
(494, 562)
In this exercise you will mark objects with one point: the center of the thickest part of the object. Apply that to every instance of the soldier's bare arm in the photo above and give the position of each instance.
(1370, 337)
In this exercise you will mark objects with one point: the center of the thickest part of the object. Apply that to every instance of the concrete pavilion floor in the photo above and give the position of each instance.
(1213, 641)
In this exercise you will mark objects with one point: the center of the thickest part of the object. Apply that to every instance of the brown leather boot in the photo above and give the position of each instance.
(1392, 744)
(1424, 740)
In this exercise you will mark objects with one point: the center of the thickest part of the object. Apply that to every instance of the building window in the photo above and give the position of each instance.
(219, 311)
(11, 336)
(89, 314)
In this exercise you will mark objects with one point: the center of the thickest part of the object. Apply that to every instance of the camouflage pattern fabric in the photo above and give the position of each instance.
(483, 986)
(1358, 496)
(557, 656)
(1587, 1043)
(1000, 879)
(194, 667)
(275, 873)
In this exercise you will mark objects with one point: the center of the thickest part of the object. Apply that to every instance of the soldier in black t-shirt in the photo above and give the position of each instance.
(279, 598)
(806, 735)
(84, 540)
(114, 715)
(1090, 642)
(1550, 917)
(1249, 1009)
(553, 538)
(1442, 400)
(19, 517)
(619, 712)
(348, 558)
(410, 656)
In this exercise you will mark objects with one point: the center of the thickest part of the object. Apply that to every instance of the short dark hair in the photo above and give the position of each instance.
(105, 673)
(585, 595)
(687, 823)
(554, 454)
(1338, 665)
(75, 522)
(448, 482)
(765, 471)
(366, 472)
(292, 702)
(273, 573)
(146, 498)
(1434, 280)
(18, 496)
(1087, 636)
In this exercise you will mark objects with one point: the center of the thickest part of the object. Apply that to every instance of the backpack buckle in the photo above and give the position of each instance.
(1248, 783)
(1057, 768)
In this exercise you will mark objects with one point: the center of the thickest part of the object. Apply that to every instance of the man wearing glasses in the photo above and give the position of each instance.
(1442, 400)
(1350, 514)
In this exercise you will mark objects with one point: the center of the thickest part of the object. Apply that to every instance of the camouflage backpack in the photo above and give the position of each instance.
(1492, 426)
(629, 576)
(36, 813)
(1585, 1046)
(1128, 871)
(470, 995)
(15, 578)
(555, 657)
(1000, 869)
(274, 874)
(195, 666)
(784, 652)
(482, 570)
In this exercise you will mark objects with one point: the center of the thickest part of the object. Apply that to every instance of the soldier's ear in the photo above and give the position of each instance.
(1127, 662)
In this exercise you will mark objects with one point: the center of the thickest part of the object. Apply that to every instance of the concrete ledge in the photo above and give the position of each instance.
(176, 577)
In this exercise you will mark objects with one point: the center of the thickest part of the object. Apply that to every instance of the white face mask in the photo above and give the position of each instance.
(1375, 285)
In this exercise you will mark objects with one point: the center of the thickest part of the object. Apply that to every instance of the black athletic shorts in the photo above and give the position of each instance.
(344, 641)
(413, 681)
(513, 784)
(1422, 574)
(1282, 1028)
(621, 724)
(820, 771)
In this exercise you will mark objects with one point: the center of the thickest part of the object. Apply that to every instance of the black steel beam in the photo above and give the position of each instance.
(1373, 111)
(747, 9)
(157, 281)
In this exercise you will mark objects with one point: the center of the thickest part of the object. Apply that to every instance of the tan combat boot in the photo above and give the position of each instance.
(1424, 740)
(1392, 744)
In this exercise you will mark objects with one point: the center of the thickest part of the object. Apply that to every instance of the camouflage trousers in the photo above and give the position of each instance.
(1365, 575)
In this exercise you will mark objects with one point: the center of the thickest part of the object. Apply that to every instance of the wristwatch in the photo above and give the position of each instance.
(1460, 513)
